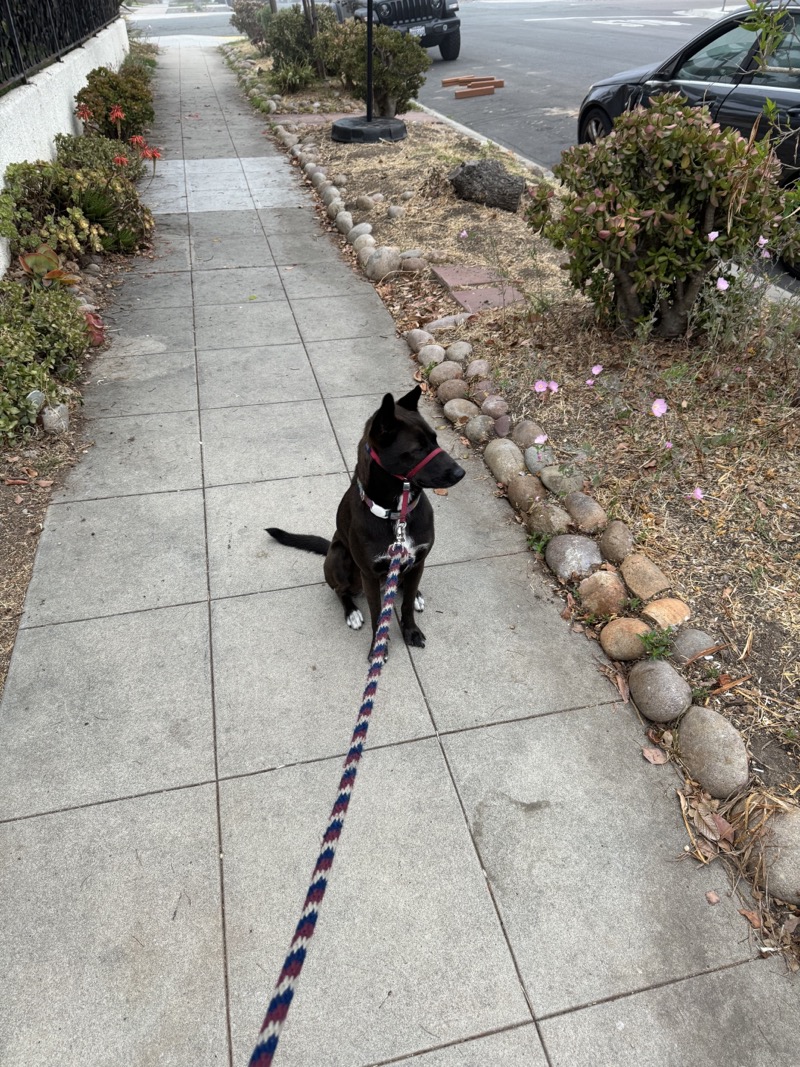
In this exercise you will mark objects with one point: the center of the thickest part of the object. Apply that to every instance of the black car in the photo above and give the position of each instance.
(720, 68)
(434, 23)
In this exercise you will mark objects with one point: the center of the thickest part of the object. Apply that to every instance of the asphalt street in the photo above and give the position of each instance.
(549, 53)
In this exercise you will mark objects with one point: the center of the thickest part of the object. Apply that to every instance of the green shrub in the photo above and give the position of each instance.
(129, 90)
(74, 211)
(76, 152)
(141, 59)
(292, 77)
(43, 336)
(287, 37)
(398, 69)
(638, 208)
(246, 18)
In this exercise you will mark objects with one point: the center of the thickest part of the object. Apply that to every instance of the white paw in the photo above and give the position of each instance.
(419, 602)
(355, 620)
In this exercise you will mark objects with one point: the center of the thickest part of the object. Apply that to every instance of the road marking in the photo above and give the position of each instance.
(632, 21)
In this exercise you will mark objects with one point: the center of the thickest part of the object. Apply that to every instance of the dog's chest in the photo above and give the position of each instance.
(412, 550)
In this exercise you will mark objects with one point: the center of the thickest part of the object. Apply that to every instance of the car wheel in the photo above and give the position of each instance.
(451, 45)
(595, 125)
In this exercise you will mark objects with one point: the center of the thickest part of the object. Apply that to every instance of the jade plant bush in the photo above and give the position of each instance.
(116, 104)
(43, 337)
(399, 64)
(657, 213)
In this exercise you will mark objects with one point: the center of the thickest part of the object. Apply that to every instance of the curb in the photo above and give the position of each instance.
(529, 164)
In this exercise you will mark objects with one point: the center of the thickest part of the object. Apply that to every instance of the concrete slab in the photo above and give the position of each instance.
(217, 224)
(424, 973)
(111, 940)
(519, 1047)
(329, 318)
(150, 330)
(133, 715)
(226, 251)
(237, 285)
(242, 557)
(245, 325)
(361, 365)
(135, 385)
(748, 1016)
(138, 290)
(289, 221)
(104, 557)
(581, 842)
(293, 249)
(172, 252)
(137, 454)
(475, 300)
(520, 665)
(252, 444)
(289, 675)
(318, 280)
(241, 376)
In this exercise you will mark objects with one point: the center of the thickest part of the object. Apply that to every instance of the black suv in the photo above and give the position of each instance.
(434, 22)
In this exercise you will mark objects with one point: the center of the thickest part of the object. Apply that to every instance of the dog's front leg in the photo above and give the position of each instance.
(411, 632)
(372, 591)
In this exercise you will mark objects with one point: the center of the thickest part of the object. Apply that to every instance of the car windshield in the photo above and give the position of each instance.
(723, 59)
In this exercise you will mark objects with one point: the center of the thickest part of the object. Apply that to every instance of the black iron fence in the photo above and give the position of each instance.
(33, 33)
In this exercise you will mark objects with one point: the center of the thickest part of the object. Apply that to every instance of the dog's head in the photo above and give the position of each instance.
(402, 439)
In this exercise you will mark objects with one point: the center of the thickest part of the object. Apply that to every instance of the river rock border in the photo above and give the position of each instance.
(596, 560)
(599, 565)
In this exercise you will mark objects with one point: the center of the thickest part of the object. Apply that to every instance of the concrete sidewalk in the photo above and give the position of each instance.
(508, 889)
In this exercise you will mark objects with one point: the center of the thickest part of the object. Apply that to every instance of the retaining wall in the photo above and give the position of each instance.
(32, 114)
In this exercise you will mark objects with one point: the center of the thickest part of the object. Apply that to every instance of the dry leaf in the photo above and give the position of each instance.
(440, 492)
(751, 917)
(723, 827)
(655, 755)
(45, 483)
(712, 897)
(18, 499)
(791, 924)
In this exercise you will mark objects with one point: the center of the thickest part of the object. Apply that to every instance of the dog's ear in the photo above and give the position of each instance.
(384, 421)
(410, 400)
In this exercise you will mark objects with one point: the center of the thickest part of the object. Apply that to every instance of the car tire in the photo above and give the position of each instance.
(595, 125)
(451, 46)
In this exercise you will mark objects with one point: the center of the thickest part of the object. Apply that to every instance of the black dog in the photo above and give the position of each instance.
(397, 447)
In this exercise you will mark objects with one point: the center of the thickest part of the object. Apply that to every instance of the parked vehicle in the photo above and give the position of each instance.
(720, 68)
(434, 22)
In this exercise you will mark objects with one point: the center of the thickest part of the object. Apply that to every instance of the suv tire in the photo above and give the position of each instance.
(451, 45)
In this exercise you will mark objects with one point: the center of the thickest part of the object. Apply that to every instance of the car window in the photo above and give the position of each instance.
(722, 60)
(782, 66)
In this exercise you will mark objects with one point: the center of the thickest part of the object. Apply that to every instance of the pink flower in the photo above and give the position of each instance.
(713, 235)
(553, 387)
(463, 234)
(668, 444)
(540, 440)
(590, 381)
(766, 254)
(540, 386)
(696, 494)
(659, 408)
(722, 285)
(762, 241)
(597, 369)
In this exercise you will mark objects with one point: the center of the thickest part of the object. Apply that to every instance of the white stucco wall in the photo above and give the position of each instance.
(31, 115)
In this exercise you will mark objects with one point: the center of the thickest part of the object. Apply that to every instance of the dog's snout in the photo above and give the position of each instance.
(456, 473)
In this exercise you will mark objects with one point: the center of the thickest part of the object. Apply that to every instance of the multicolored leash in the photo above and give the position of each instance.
(283, 993)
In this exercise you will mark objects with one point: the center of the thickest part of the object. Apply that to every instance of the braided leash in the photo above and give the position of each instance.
(283, 993)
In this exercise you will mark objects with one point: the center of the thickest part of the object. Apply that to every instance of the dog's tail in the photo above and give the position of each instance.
(308, 542)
